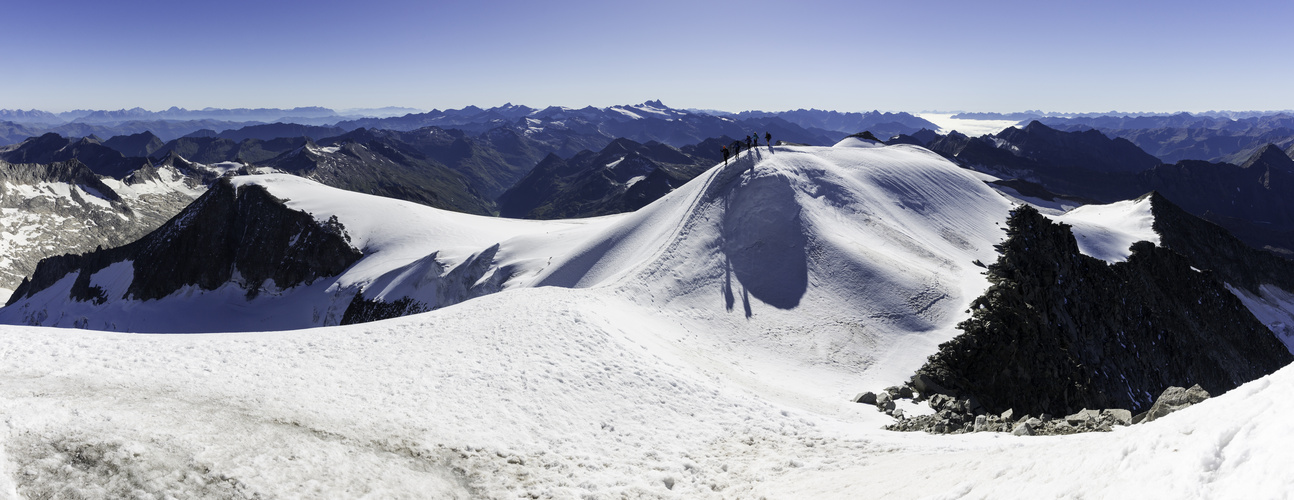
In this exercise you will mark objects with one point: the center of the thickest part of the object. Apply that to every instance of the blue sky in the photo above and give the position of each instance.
(847, 55)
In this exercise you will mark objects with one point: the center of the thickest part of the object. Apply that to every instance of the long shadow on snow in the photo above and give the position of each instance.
(763, 239)
(764, 243)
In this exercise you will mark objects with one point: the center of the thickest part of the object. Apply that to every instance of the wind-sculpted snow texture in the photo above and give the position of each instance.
(662, 359)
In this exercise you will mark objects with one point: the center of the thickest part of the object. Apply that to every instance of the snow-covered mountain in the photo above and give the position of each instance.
(705, 346)
(52, 209)
(755, 232)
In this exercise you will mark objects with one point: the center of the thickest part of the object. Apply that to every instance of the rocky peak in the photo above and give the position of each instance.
(1058, 331)
(243, 235)
(1088, 149)
(1270, 157)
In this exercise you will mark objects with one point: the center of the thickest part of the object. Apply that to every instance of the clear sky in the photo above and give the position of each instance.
(848, 55)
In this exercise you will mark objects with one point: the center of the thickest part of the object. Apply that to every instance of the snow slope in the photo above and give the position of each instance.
(705, 346)
(546, 392)
(1108, 231)
(849, 263)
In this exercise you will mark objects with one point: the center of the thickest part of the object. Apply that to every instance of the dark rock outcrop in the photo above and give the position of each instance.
(244, 235)
(363, 310)
(1058, 331)
(1211, 247)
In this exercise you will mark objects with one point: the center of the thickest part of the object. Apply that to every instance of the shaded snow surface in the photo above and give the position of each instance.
(705, 346)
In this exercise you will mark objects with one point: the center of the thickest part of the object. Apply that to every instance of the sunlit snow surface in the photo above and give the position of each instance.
(703, 347)
(1108, 231)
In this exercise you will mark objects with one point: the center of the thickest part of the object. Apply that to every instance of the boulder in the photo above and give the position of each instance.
(884, 402)
(1083, 417)
(926, 385)
(1119, 416)
(940, 402)
(1173, 399)
(867, 398)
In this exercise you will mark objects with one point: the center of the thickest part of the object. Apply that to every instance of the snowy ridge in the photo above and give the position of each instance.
(1108, 231)
(702, 347)
(837, 257)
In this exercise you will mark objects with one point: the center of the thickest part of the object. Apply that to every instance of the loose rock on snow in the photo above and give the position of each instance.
(954, 415)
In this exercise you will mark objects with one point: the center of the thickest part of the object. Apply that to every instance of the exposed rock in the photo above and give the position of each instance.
(66, 208)
(1175, 398)
(867, 398)
(1084, 416)
(1120, 416)
(228, 233)
(362, 310)
(958, 415)
(885, 402)
(925, 386)
(1059, 331)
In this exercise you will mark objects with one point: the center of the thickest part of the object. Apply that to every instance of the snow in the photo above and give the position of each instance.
(1272, 306)
(857, 142)
(56, 190)
(972, 128)
(168, 182)
(705, 346)
(114, 279)
(1108, 231)
(547, 392)
(626, 112)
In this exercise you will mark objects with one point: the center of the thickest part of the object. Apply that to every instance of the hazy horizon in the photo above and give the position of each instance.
(999, 56)
(352, 111)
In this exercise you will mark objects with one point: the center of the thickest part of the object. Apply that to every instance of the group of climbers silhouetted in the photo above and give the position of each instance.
(752, 141)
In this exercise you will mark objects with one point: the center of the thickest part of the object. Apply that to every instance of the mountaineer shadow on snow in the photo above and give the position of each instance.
(764, 244)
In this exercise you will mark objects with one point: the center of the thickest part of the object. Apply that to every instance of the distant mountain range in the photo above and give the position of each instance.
(1184, 136)
(649, 121)
(107, 117)
(622, 177)
(1251, 198)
